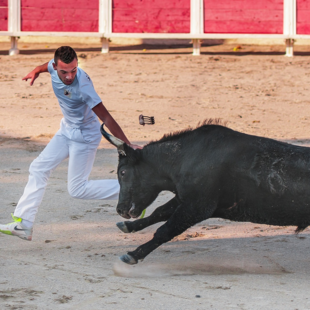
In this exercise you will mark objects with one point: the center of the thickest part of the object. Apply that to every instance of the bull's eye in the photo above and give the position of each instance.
(122, 173)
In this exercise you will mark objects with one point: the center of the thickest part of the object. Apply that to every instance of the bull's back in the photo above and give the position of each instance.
(269, 182)
(257, 179)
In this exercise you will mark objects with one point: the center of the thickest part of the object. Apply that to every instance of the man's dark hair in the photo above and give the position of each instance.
(66, 54)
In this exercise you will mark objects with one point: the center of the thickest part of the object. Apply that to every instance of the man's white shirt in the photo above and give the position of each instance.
(76, 102)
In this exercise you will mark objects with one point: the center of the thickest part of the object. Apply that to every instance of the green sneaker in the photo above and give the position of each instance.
(17, 229)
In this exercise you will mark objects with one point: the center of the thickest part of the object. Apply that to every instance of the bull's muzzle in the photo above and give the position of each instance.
(132, 213)
(122, 212)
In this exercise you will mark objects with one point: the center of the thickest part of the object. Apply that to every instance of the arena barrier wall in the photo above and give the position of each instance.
(157, 19)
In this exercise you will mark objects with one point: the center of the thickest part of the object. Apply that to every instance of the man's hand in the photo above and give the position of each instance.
(135, 146)
(109, 121)
(33, 75)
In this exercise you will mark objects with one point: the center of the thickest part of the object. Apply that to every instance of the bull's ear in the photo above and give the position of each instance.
(121, 149)
(133, 156)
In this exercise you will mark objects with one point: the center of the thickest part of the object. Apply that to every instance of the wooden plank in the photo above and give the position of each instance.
(303, 5)
(303, 29)
(145, 4)
(152, 14)
(4, 14)
(80, 14)
(267, 27)
(158, 16)
(60, 14)
(68, 4)
(303, 22)
(241, 14)
(303, 17)
(244, 4)
(4, 19)
(152, 27)
(168, 26)
(53, 34)
(56, 15)
(3, 25)
(56, 25)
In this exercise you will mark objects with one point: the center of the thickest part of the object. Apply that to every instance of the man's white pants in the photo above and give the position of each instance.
(81, 159)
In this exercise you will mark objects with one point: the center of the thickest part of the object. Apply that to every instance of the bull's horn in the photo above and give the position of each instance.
(113, 140)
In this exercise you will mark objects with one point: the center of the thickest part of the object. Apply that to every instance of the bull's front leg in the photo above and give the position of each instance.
(183, 218)
(161, 214)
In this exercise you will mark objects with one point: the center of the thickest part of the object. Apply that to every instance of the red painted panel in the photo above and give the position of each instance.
(56, 15)
(151, 16)
(303, 29)
(152, 27)
(252, 15)
(243, 16)
(155, 4)
(3, 18)
(3, 25)
(54, 25)
(3, 13)
(303, 4)
(303, 17)
(245, 4)
(57, 4)
(240, 27)
(4, 3)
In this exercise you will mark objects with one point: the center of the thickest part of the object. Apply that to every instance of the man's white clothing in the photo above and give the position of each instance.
(76, 100)
(78, 138)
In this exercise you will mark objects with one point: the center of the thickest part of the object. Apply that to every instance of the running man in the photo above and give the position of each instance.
(78, 138)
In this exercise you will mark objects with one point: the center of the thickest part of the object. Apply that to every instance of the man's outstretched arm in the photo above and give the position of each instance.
(112, 125)
(33, 75)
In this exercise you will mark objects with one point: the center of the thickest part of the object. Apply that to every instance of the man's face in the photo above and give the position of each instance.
(66, 72)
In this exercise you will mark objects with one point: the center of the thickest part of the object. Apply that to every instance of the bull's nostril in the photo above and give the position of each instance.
(122, 213)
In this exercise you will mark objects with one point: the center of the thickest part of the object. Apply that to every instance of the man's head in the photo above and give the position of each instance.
(65, 63)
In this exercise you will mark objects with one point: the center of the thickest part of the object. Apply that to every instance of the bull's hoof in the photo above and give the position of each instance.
(123, 227)
(128, 259)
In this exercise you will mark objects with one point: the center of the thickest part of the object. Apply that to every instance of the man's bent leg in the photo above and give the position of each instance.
(40, 170)
(81, 160)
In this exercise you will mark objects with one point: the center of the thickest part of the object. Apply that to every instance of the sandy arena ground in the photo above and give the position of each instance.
(72, 262)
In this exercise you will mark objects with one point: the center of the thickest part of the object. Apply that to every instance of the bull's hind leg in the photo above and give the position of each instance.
(183, 218)
(161, 214)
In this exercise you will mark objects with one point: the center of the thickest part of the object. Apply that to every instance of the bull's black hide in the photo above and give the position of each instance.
(214, 172)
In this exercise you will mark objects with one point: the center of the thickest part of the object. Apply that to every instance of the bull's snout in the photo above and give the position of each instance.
(122, 212)
(133, 212)
(128, 212)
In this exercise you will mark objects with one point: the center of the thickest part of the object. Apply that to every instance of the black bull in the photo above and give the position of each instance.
(214, 172)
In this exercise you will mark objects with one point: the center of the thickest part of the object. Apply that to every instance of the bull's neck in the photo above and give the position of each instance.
(164, 157)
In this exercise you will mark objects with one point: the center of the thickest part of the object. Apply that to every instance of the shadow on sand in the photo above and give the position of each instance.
(146, 49)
